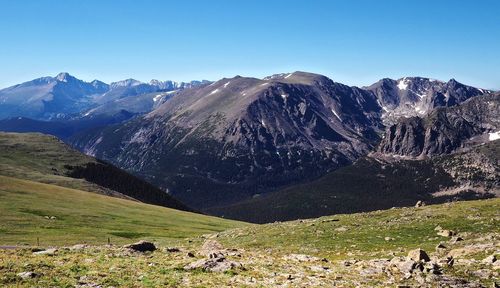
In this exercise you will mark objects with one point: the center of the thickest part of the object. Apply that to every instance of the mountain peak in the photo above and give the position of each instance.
(126, 83)
(63, 77)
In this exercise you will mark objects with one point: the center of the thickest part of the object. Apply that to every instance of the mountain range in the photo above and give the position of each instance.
(244, 144)
(65, 96)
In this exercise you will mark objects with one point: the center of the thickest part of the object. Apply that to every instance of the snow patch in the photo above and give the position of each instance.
(494, 136)
(284, 96)
(288, 75)
(213, 92)
(225, 85)
(157, 97)
(402, 85)
(337, 115)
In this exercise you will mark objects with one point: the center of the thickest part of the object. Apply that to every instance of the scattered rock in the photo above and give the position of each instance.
(446, 233)
(419, 203)
(489, 260)
(456, 239)
(440, 246)
(78, 247)
(433, 268)
(418, 255)
(27, 275)
(212, 249)
(220, 264)
(141, 246)
(301, 258)
(341, 229)
(173, 250)
(48, 252)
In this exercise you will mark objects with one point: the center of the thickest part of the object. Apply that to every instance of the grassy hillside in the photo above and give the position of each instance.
(43, 158)
(82, 217)
(372, 184)
(355, 250)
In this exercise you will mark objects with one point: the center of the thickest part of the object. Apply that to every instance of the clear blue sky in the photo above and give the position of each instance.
(354, 42)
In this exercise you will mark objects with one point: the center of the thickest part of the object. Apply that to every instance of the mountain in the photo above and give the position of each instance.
(373, 183)
(236, 138)
(452, 153)
(445, 130)
(65, 96)
(45, 159)
(48, 97)
(418, 96)
(240, 136)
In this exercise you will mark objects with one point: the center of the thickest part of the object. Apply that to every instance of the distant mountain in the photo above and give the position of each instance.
(417, 96)
(45, 159)
(241, 136)
(65, 96)
(48, 97)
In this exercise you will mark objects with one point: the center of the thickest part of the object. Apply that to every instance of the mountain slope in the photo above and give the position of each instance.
(45, 159)
(82, 217)
(296, 126)
(418, 96)
(445, 130)
(375, 183)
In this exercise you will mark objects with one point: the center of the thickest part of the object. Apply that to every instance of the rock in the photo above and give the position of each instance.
(190, 254)
(406, 266)
(446, 233)
(220, 264)
(348, 263)
(301, 258)
(456, 239)
(440, 246)
(419, 203)
(449, 261)
(438, 228)
(433, 268)
(27, 275)
(418, 255)
(489, 260)
(78, 247)
(48, 252)
(212, 249)
(173, 249)
(389, 239)
(141, 246)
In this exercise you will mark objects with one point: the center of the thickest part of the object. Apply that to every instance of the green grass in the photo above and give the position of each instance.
(263, 251)
(82, 217)
(41, 158)
(410, 227)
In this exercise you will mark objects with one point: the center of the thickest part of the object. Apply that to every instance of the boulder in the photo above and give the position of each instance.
(419, 203)
(489, 260)
(27, 275)
(446, 233)
(141, 246)
(212, 249)
(440, 246)
(48, 252)
(418, 255)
